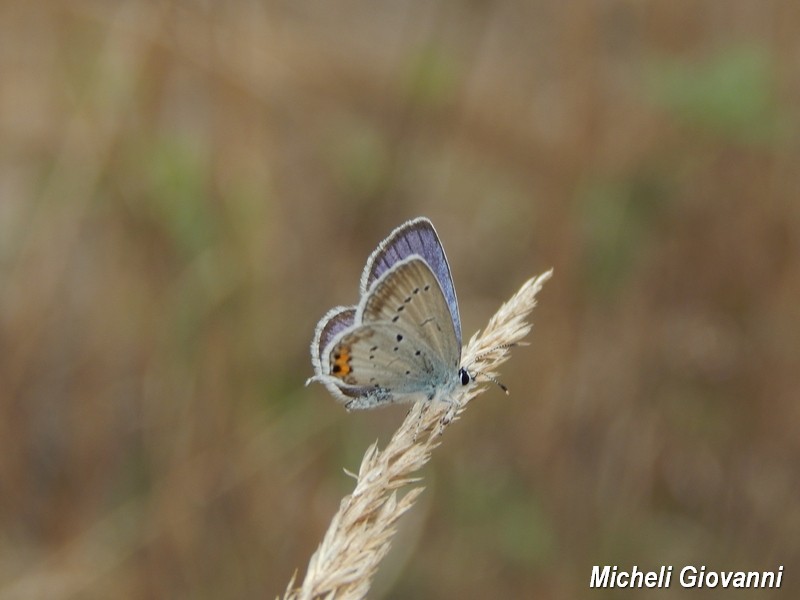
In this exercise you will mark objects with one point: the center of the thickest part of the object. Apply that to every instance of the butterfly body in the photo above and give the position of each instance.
(402, 342)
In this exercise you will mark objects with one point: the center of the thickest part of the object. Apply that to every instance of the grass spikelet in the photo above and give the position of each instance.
(361, 531)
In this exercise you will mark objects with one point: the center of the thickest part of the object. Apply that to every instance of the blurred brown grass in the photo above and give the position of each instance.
(185, 189)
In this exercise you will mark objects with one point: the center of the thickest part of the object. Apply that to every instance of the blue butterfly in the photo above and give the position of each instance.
(402, 342)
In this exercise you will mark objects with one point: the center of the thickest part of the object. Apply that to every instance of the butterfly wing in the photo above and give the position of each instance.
(371, 366)
(410, 296)
(415, 237)
(402, 342)
(332, 324)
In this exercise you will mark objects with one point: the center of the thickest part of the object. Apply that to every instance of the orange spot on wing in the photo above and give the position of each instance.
(340, 362)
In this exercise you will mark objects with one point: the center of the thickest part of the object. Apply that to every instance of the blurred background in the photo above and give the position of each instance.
(187, 187)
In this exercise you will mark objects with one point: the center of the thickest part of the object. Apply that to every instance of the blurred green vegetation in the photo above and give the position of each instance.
(730, 93)
(186, 189)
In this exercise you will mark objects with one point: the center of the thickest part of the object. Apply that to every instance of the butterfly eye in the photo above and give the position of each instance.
(464, 375)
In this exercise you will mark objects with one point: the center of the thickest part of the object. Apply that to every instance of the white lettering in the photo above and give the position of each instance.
(609, 576)
(634, 574)
(599, 580)
(688, 576)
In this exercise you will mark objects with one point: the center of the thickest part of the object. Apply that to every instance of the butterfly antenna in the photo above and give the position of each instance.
(502, 386)
(494, 349)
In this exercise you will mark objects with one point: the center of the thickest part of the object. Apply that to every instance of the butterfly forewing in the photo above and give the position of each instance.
(415, 237)
(410, 297)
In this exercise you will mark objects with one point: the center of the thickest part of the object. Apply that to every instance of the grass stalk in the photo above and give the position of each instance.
(361, 531)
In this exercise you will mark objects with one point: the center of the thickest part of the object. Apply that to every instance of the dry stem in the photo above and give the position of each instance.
(361, 531)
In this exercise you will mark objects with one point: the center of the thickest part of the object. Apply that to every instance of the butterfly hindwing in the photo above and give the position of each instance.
(332, 324)
(379, 356)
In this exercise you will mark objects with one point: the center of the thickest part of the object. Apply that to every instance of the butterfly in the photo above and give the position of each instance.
(402, 341)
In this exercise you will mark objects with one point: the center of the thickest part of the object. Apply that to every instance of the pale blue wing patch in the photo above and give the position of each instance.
(332, 324)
